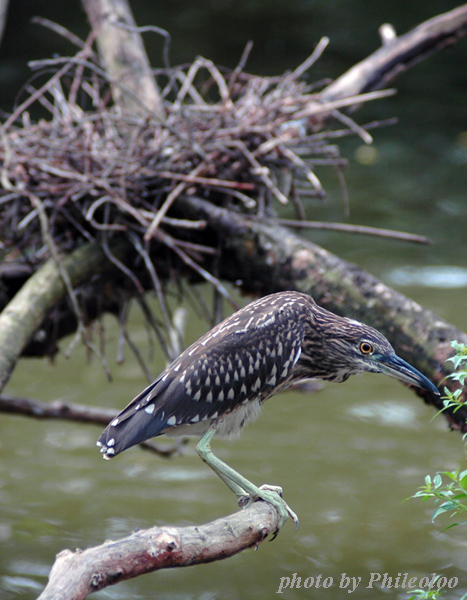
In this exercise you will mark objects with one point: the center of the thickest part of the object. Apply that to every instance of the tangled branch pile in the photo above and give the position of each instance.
(90, 172)
(98, 171)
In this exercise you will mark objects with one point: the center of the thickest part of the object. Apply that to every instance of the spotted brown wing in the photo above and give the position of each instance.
(249, 355)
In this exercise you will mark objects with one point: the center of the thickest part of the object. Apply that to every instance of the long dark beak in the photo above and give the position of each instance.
(394, 366)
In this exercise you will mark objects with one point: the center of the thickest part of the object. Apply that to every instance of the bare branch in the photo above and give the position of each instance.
(398, 54)
(123, 53)
(3, 15)
(77, 574)
(359, 229)
(284, 260)
(79, 413)
(25, 313)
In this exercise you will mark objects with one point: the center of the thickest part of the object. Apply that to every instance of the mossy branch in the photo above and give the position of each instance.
(23, 315)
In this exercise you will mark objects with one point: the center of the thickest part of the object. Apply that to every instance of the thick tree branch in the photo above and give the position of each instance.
(123, 54)
(24, 314)
(399, 54)
(3, 16)
(77, 574)
(283, 260)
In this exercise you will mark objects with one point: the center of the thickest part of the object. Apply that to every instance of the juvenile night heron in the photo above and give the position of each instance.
(219, 384)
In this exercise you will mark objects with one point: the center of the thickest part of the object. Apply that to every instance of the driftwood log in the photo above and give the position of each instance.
(255, 249)
(77, 574)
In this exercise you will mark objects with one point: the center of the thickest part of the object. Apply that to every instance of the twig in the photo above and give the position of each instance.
(125, 337)
(240, 66)
(170, 350)
(360, 131)
(66, 411)
(309, 62)
(261, 172)
(174, 194)
(207, 181)
(60, 30)
(360, 229)
(27, 103)
(172, 244)
(81, 332)
(152, 29)
(321, 105)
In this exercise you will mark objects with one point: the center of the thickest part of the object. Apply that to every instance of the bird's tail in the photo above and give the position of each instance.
(137, 422)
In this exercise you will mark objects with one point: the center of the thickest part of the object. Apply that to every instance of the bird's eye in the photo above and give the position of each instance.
(366, 348)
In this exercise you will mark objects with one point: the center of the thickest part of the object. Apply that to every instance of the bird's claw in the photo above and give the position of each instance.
(273, 495)
(244, 501)
(273, 488)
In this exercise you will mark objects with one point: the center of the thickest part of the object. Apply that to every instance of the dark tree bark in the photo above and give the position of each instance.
(283, 260)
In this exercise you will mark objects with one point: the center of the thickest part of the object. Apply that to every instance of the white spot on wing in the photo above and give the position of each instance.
(172, 420)
(150, 408)
(266, 322)
(297, 356)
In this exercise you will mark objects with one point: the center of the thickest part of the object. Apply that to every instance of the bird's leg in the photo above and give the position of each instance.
(242, 486)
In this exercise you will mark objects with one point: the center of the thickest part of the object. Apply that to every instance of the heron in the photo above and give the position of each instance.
(219, 384)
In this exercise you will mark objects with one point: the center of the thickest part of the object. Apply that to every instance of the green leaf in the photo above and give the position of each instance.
(451, 474)
(463, 479)
(445, 507)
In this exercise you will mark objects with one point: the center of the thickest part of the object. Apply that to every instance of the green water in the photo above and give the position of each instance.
(347, 456)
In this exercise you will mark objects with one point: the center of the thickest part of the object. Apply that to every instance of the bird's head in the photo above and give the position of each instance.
(345, 347)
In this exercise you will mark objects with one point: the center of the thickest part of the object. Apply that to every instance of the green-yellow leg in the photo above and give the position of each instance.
(241, 486)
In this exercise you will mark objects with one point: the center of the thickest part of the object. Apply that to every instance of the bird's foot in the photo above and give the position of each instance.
(273, 495)
(272, 488)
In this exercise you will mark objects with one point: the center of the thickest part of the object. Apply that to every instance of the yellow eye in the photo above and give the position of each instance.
(366, 348)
